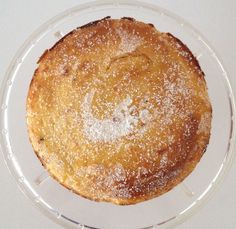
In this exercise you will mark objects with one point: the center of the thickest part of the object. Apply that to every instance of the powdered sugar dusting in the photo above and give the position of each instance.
(112, 179)
(204, 125)
(120, 124)
(106, 130)
(164, 160)
(129, 42)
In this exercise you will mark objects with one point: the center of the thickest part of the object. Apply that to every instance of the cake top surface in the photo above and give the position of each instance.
(120, 108)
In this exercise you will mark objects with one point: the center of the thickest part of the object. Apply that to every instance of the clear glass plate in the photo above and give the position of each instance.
(73, 211)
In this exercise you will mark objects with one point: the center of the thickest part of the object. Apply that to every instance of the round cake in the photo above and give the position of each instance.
(118, 111)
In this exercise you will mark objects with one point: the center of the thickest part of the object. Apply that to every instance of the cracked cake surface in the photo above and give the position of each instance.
(118, 111)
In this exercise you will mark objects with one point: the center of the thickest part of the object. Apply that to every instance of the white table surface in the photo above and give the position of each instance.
(216, 19)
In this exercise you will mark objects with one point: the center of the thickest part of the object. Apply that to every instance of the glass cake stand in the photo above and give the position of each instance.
(73, 211)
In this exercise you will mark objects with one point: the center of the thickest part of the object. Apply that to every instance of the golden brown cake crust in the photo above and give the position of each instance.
(119, 112)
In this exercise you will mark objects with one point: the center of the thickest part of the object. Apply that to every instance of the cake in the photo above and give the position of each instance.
(118, 111)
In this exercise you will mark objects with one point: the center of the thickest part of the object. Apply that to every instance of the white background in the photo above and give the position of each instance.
(216, 19)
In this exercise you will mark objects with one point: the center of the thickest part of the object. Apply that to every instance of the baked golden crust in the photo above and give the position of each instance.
(118, 111)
